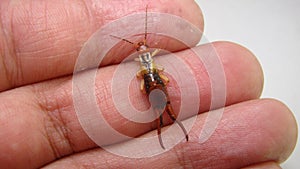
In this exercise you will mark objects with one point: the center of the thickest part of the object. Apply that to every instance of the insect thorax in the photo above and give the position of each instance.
(146, 63)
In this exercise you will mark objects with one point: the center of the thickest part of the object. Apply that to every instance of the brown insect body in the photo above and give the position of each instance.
(152, 78)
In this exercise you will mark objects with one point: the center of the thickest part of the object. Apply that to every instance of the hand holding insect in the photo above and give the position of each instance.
(38, 124)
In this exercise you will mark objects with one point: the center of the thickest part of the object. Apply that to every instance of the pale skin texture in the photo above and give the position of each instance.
(40, 40)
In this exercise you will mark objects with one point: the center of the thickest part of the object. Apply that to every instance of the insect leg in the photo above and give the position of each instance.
(160, 68)
(155, 52)
(170, 112)
(142, 87)
(164, 77)
(139, 74)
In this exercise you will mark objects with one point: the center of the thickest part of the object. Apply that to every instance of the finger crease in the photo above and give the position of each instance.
(9, 59)
(88, 11)
(183, 160)
(18, 77)
(56, 130)
(4, 78)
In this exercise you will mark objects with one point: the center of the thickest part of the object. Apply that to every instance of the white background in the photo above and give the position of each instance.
(271, 30)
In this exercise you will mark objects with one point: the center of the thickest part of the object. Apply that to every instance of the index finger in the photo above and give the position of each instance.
(41, 40)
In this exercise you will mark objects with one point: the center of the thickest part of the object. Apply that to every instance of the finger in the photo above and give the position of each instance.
(265, 165)
(41, 119)
(249, 133)
(41, 40)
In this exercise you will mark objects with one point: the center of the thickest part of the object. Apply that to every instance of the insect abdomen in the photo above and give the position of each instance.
(153, 81)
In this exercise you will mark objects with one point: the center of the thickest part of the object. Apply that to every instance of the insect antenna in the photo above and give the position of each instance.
(146, 25)
(122, 39)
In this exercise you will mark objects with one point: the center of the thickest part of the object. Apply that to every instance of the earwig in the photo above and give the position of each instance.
(152, 78)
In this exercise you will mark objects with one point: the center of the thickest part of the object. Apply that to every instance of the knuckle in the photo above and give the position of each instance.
(57, 131)
(9, 59)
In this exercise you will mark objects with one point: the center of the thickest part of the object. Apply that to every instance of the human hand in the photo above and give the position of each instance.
(40, 42)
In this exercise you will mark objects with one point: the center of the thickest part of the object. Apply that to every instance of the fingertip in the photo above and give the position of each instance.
(242, 63)
(288, 131)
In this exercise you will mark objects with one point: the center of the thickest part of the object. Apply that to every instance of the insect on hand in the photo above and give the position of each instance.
(152, 78)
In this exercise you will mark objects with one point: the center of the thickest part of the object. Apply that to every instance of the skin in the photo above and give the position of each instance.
(39, 44)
